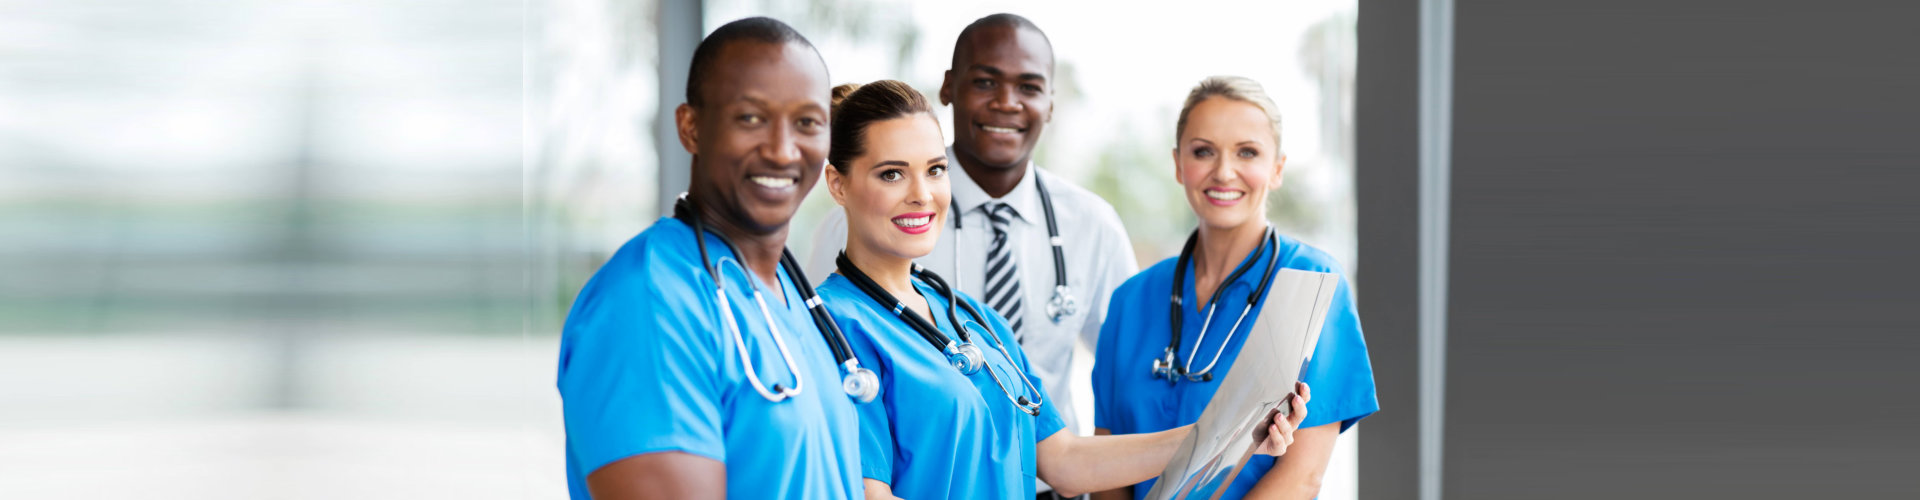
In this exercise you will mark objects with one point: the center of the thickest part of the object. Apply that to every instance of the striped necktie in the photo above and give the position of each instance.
(1003, 272)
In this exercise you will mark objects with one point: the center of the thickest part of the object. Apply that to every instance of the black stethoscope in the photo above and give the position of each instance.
(961, 353)
(1165, 367)
(859, 383)
(1062, 304)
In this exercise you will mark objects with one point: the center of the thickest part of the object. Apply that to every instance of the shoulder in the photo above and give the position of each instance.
(1079, 207)
(849, 306)
(838, 292)
(1296, 254)
(1144, 283)
(665, 253)
(654, 270)
(652, 285)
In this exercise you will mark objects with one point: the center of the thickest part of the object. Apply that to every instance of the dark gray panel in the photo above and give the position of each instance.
(1683, 241)
(1386, 176)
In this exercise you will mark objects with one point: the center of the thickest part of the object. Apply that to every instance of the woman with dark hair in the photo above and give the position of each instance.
(959, 415)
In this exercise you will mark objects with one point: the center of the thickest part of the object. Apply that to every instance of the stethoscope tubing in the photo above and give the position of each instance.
(858, 383)
(939, 341)
(1062, 304)
(1270, 244)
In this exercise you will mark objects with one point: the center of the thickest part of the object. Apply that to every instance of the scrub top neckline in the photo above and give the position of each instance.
(780, 276)
(1190, 289)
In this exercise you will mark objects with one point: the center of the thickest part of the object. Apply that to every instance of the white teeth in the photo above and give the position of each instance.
(772, 182)
(1225, 195)
(913, 222)
(1000, 130)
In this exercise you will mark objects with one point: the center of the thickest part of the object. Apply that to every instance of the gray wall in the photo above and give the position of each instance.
(1386, 182)
(1682, 249)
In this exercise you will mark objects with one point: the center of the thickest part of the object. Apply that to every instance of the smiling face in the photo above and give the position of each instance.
(1001, 94)
(896, 194)
(759, 138)
(1228, 161)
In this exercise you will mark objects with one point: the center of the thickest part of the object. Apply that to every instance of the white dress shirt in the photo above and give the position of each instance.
(1098, 258)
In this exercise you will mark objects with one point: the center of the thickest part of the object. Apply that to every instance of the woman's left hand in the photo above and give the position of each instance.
(1278, 434)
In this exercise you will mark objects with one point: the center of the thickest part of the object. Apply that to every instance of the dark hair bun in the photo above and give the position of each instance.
(840, 94)
(856, 106)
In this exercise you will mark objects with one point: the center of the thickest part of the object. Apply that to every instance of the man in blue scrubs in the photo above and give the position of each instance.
(658, 397)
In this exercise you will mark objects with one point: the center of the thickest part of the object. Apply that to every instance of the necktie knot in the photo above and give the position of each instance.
(1000, 213)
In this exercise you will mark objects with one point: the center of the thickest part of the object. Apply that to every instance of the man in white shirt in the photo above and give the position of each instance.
(1001, 90)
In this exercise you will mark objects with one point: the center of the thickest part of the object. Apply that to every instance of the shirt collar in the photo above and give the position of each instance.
(968, 196)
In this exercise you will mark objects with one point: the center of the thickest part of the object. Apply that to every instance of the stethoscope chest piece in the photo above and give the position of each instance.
(860, 383)
(1062, 305)
(1163, 368)
(965, 357)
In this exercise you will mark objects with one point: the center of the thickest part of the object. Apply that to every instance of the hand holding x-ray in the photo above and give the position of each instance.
(1282, 421)
(1261, 400)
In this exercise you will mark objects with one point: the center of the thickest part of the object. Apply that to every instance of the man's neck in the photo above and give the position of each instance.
(759, 251)
(996, 181)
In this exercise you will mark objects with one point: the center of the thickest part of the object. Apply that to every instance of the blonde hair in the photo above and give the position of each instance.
(1237, 88)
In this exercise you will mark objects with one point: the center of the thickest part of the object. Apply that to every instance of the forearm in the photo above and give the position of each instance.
(1075, 464)
(659, 475)
(1297, 475)
(1121, 493)
(877, 490)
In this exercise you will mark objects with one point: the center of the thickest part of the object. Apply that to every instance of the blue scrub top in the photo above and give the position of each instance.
(645, 366)
(1129, 399)
(934, 432)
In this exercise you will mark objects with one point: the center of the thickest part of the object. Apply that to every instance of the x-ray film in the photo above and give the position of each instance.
(1276, 352)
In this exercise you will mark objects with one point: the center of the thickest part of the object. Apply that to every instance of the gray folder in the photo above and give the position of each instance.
(1277, 350)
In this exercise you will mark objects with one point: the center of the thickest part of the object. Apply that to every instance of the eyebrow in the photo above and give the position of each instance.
(990, 70)
(763, 103)
(902, 163)
(1241, 143)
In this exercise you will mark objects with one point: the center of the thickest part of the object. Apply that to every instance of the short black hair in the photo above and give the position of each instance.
(754, 29)
(1001, 20)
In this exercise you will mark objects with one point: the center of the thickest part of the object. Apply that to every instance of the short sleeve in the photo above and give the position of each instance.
(638, 368)
(1048, 421)
(1340, 375)
(876, 418)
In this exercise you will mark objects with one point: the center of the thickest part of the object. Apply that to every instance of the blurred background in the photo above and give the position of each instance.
(307, 249)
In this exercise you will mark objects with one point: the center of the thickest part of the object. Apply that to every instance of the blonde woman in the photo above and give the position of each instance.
(1165, 346)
